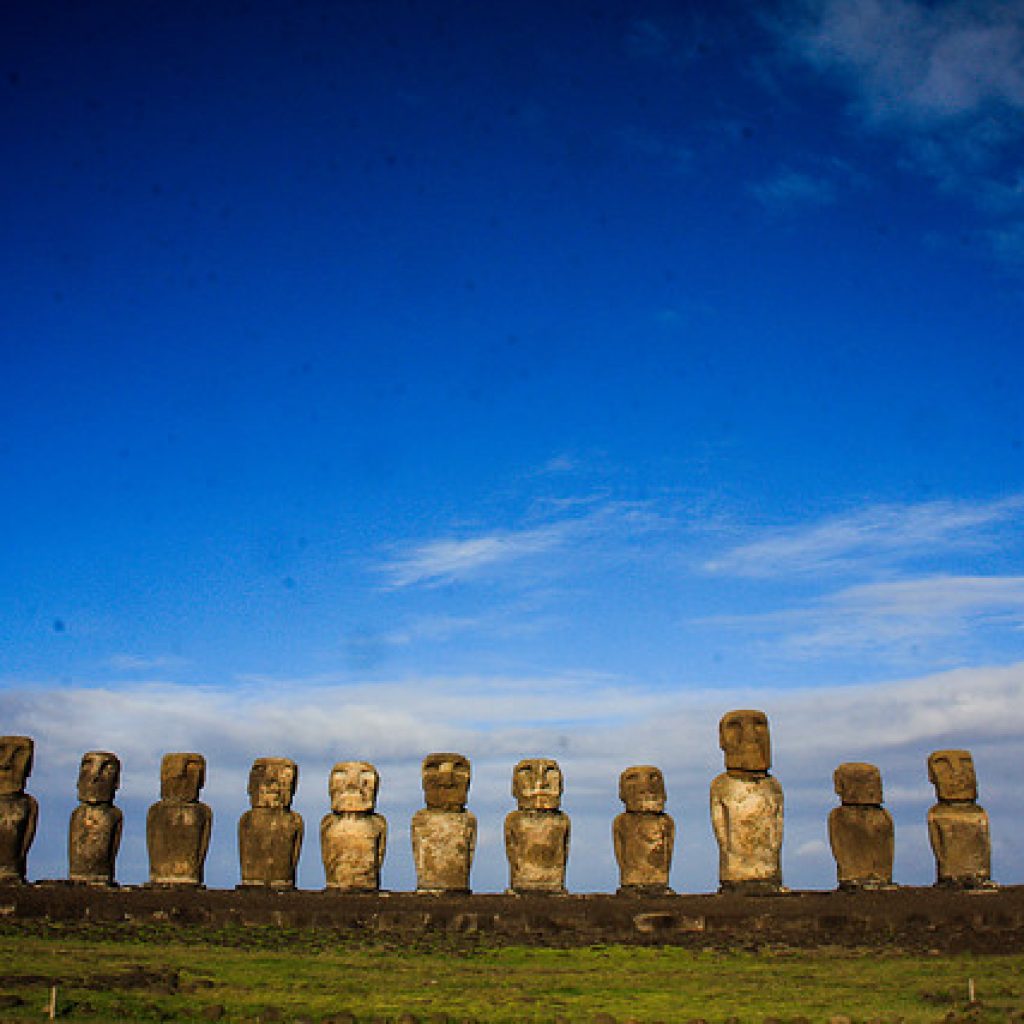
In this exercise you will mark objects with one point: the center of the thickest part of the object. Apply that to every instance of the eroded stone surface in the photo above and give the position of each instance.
(19, 812)
(270, 833)
(861, 830)
(444, 832)
(644, 835)
(537, 834)
(178, 825)
(957, 827)
(94, 835)
(353, 839)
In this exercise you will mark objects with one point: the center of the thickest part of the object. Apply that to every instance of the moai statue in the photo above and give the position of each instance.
(957, 826)
(353, 839)
(644, 834)
(861, 831)
(444, 832)
(537, 834)
(18, 811)
(746, 807)
(178, 825)
(270, 834)
(94, 834)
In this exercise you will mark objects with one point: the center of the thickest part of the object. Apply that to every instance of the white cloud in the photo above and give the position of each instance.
(789, 189)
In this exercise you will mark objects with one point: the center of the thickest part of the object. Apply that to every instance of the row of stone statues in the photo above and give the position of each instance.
(746, 815)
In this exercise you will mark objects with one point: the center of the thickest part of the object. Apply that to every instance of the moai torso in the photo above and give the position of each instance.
(644, 836)
(537, 834)
(178, 825)
(94, 834)
(19, 812)
(957, 827)
(861, 830)
(444, 832)
(270, 833)
(746, 807)
(353, 839)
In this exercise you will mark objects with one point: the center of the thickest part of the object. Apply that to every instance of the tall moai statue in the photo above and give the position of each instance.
(444, 832)
(537, 834)
(353, 839)
(957, 826)
(19, 812)
(644, 835)
(178, 824)
(94, 835)
(270, 832)
(746, 807)
(861, 830)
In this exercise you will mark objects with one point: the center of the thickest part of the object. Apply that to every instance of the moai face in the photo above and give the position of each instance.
(353, 786)
(15, 763)
(181, 777)
(98, 777)
(951, 772)
(642, 788)
(744, 738)
(272, 782)
(537, 784)
(858, 784)
(446, 781)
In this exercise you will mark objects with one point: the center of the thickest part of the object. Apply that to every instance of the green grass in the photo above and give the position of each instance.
(129, 974)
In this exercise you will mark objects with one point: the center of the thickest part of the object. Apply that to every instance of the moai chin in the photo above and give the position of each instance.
(94, 835)
(178, 825)
(270, 833)
(957, 827)
(537, 834)
(746, 807)
(19, 812)
(644, 834)
(353, 839)
(444, 832)
(861, 830)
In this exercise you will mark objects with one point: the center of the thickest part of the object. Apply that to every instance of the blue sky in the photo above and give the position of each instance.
(381, 378)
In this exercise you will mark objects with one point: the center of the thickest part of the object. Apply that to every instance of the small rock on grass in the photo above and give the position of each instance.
(212, 1012)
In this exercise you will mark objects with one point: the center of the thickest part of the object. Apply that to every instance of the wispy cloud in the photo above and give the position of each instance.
(789, 189)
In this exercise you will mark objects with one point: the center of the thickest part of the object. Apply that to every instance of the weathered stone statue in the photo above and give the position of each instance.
(444, 832)
(861, 831)
(270, 834)
(644, 834)
(957, 826)
(94, 835)
(19, 812)
(537, 834)
(746, 807)
(178, 825)
(353, 839)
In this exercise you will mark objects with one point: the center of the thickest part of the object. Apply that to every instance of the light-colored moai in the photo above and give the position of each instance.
(746, 807)
(19, 812)
(94, 835)
(178, 825)
(353, 838)
(444, 832)
(957, 826)
(644, 835)
(537, 834)
(861, 830)
(270, 832)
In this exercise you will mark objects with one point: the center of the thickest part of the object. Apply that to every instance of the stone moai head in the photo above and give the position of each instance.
(181, 777)
(951, 772)
(537, 784)
(353, 786)
(446, 781)
(858, 784)
(642, 788)
(15, 763)
(99, 775)
(745, 740)
(272, 782)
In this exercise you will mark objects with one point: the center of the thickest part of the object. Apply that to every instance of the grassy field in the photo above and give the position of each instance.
(154, 973)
